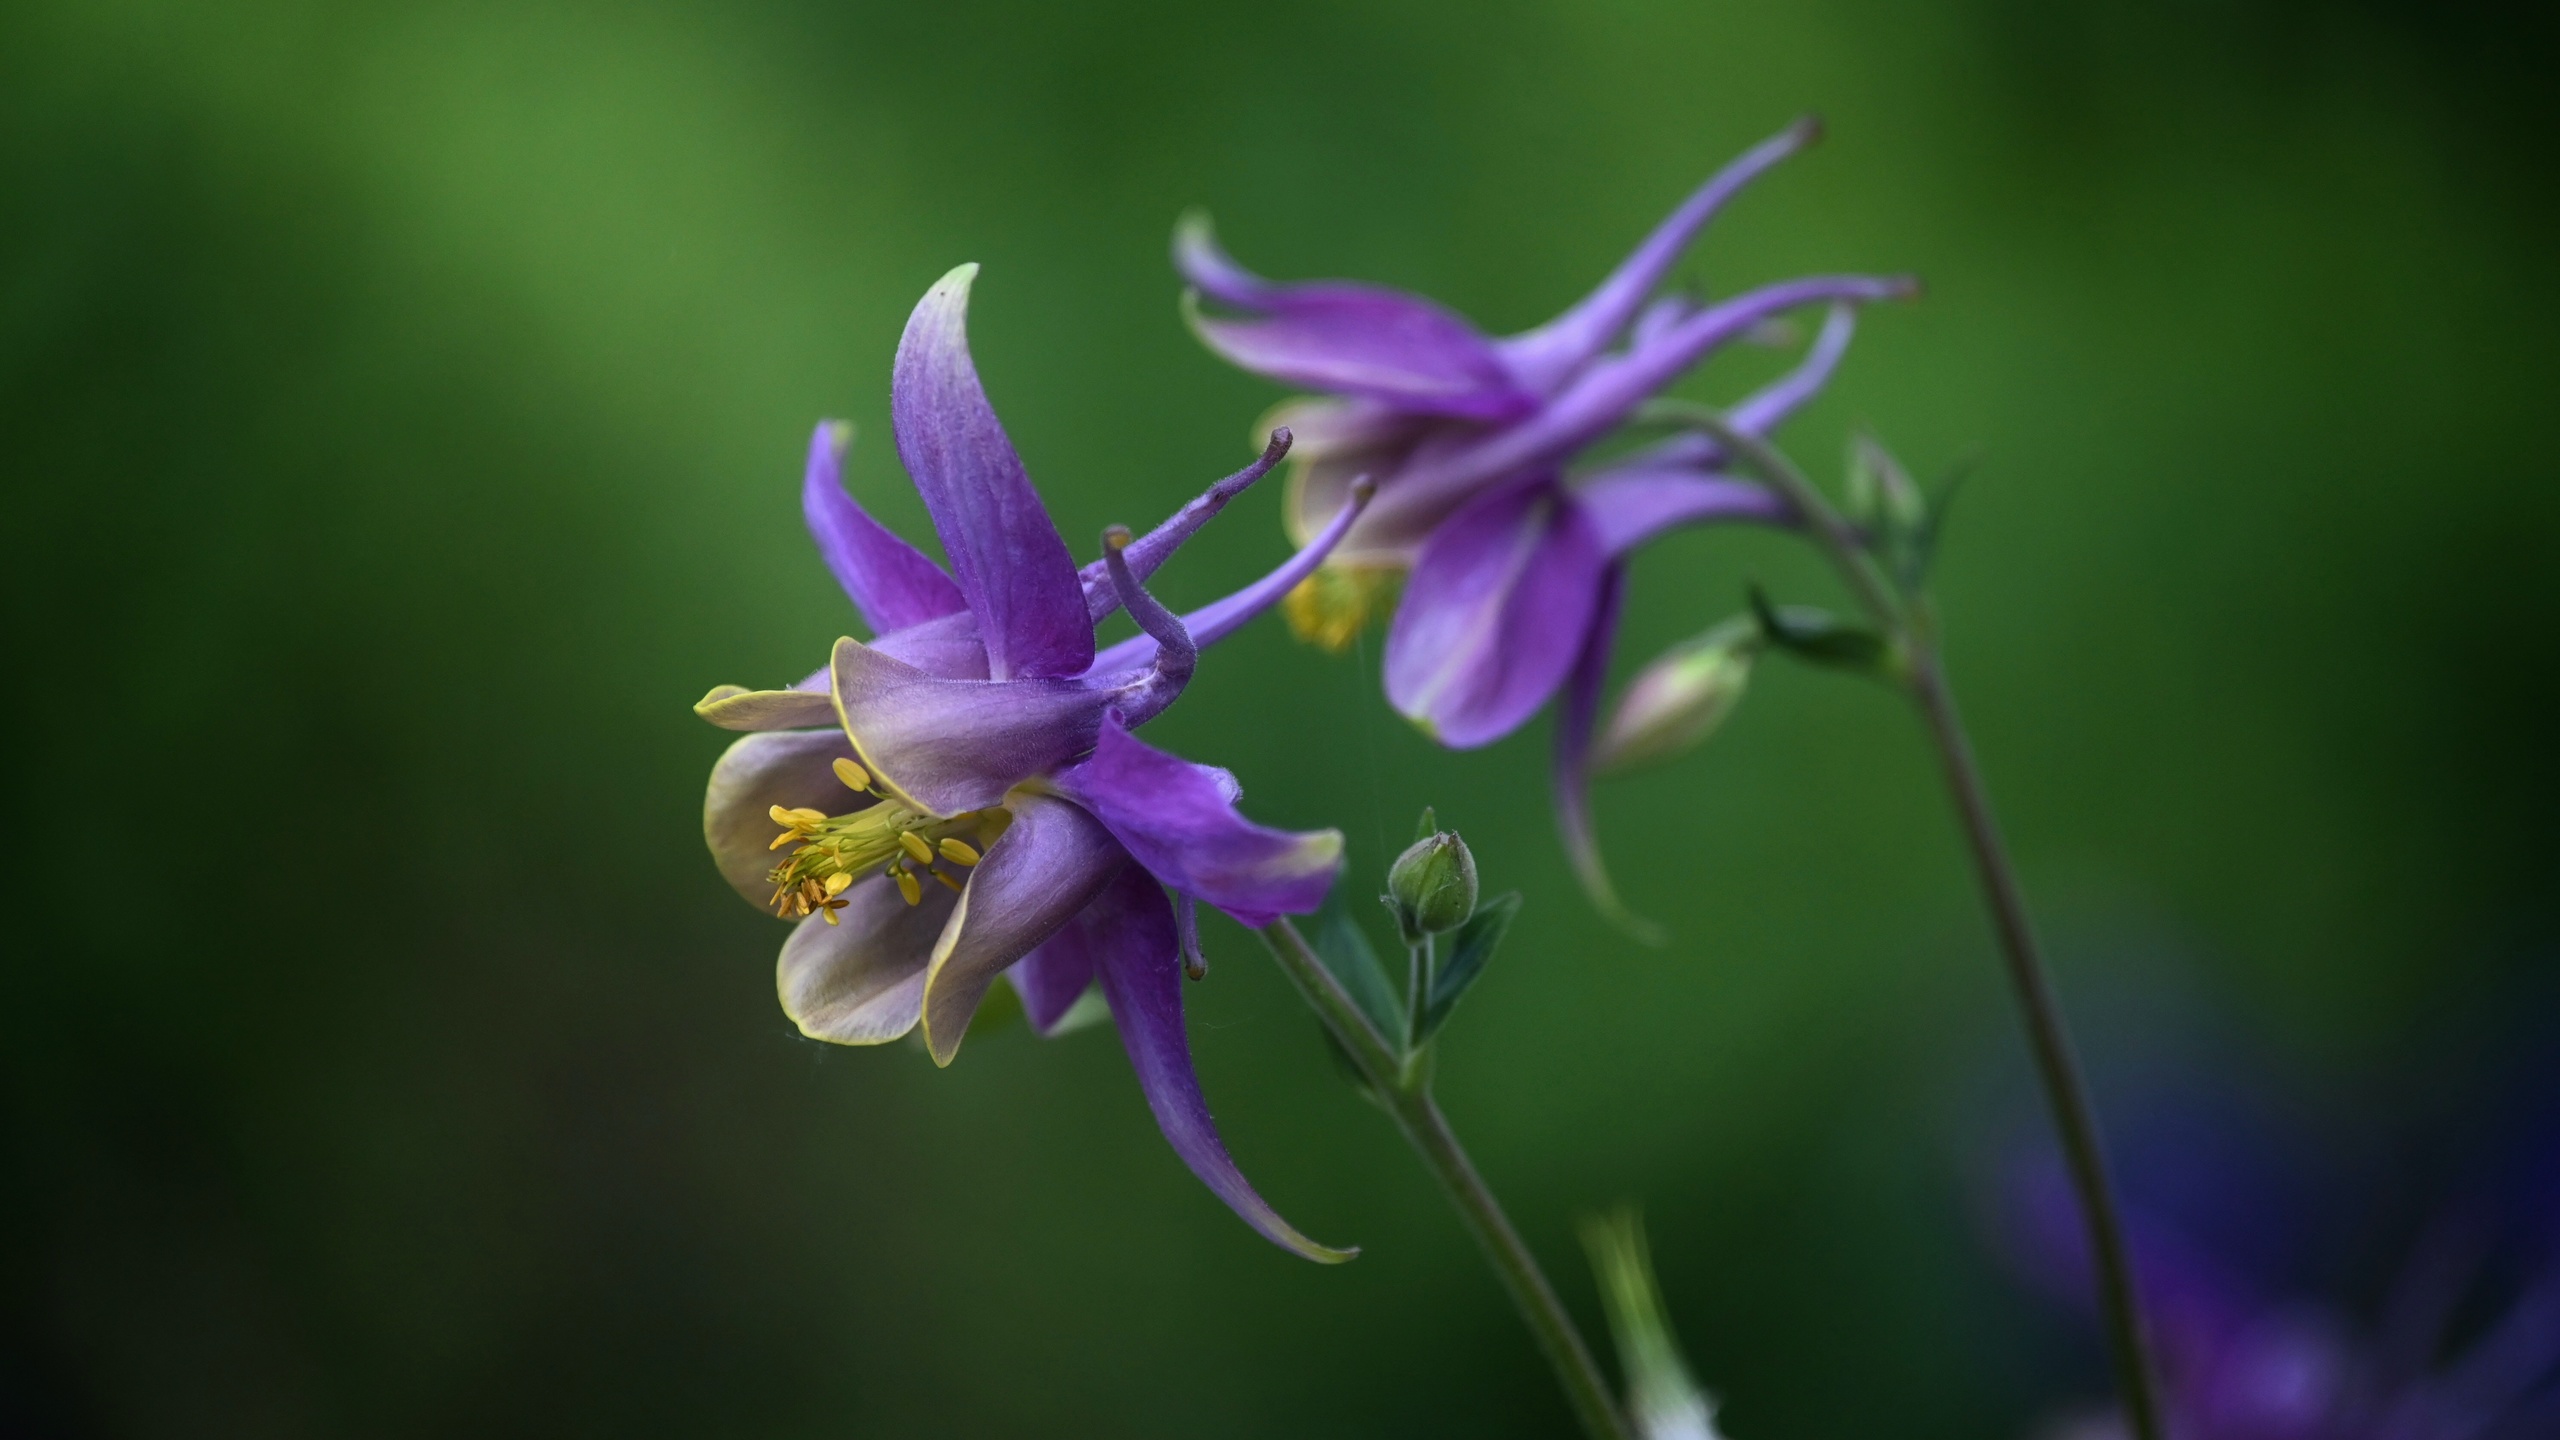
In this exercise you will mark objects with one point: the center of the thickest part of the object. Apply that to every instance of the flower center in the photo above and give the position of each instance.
(830, 852)
(1330, 608)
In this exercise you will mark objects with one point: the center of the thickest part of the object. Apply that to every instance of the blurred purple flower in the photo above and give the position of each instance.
(1512, 566)
(2465, 1345)
(961, 798)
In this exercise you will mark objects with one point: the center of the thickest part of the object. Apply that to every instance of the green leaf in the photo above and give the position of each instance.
(1818, 636)
(1924, 543)
(1469, 951)
(1428, 827)
(1345, 950)
(1349, 1067)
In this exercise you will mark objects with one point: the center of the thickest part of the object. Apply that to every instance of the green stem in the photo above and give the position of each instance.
(2075, 1118)
(1418, 1115)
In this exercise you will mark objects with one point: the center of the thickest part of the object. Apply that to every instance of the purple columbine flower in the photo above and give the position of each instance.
(2230, 1230)
(961, 799)
(1512, 564)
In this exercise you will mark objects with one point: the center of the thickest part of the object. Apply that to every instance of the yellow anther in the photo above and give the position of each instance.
(854, 776)
(781, 816)
(785, 838)
(914, 845)
(948, 882)
(837, 882)
(907, 886)
(959, 852)
(805, 817)
(830, 911)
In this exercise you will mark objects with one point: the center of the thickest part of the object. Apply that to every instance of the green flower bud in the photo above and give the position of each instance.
(1678, 700)
(1432, 886)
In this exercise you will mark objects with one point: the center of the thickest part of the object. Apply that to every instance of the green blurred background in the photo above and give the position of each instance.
(402, 410)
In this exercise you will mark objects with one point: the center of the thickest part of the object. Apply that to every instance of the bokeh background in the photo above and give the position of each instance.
(401, 409)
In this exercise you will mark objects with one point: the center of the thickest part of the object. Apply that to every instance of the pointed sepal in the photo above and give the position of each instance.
(1470, 950)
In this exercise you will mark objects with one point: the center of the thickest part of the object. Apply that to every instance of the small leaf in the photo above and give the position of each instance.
(1349, 1067)
(1429, 826)
(1345, 950)
(1924, 543)
(1822, 638)
(1469, 952)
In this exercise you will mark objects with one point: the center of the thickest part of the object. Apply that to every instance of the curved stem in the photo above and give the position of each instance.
(2075, 1119)
(1427, 1130)
(2066, 1090)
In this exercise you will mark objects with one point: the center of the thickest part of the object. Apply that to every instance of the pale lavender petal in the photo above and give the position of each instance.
(948, 746)
(1544, 357)
(1131, 933)
(1606, 393)
(1152, 549)
(1574, 716)
(1049, 863)
(1631, 506)
(1007, 557)
(1355, 340)
(789, 768)
(1220, 618)
(1180, 821)
(860, 981)
(1368, 440)
(1494, 613)
(1053, 977)
(890, 581)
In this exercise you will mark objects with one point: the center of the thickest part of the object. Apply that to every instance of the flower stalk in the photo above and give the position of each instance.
(1403, 1088)
(1915, 664)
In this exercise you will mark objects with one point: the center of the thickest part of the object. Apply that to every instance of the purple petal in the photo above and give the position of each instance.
(1574, 716)
(946, 647)
(1544, 357)
(1180, 821)
(1046, 866)
(947, 746)
(1152, 549)
(1010, 563)
(790, 768)
(1494, 613)
(890, 581)
(1629, 506)
(1220, 618)
(1604, 394)
(1356, 340)
(860, 981)
(1203, 262)
(1053, 977)
(1131, 935)
(1763, 410)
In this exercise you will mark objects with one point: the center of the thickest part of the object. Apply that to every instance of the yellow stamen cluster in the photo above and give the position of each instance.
(1330, 608)
(830, 852)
